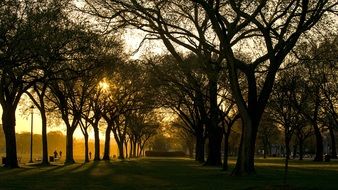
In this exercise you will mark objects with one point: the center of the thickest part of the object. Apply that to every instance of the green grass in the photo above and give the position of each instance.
(166, 173)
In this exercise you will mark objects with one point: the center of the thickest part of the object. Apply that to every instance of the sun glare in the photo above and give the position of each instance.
(104, 85)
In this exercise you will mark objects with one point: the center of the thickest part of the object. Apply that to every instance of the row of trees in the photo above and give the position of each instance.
(305, 98)
(237, 47)
(72, 73)
(225, 58)
(56, 142)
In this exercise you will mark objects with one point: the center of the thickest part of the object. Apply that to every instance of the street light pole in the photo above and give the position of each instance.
(31, 156)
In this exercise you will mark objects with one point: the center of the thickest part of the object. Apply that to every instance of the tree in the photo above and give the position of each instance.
(26, 44)
(183, 90)
(175, 22)
(258, 22)
(84, 125)
(93, 114)
(268, 133)
(142, 126)
(302, 133)
(72, 87)
(234, 23)
(127, 90)
(320, 63)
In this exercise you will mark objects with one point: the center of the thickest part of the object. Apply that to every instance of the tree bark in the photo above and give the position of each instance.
(301, 149)
(97, 143)
(199, 148)
(246, 152)
(190, 149)
(135, 148)
(294, 151)
(69, 146)
(265, 147)
(86, 148)
(121, 150)
(8, 121)
(226, 152)
(214, 148)
(287, 157)
(333, 143)
(215, 133)
(44, 139)
(131, 147)
(319, 143)
(106, 155)
(125, 145)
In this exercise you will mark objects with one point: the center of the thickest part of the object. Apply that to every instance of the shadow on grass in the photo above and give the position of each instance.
(161, 173)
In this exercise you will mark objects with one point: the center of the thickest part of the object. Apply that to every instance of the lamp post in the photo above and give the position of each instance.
(31, 156)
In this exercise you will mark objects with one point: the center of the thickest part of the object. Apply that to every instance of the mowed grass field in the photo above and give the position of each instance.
(169, 173)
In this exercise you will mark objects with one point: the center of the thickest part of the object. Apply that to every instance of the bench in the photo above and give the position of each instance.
(38, 159)
(53, 159)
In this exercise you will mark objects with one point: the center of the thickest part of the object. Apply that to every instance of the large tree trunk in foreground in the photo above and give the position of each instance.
(69, 146)
(214, 148)
(319, 144)
(199, 148)
(106, 155)
(8, 122)
(97, 143)
(44, 139)
(215, 132)
(245, 164)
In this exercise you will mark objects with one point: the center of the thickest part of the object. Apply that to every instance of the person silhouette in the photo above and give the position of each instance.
(90, 155)
(60, 153)
(55, 154)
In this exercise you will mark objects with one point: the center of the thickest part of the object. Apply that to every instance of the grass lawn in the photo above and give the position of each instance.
(166, 173)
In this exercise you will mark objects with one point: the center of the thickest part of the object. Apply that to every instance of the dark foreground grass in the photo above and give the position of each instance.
(162, 174)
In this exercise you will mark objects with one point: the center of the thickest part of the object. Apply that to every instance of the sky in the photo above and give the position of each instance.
(23, 124)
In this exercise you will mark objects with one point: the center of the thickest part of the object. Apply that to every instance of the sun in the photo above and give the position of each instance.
(104, 85)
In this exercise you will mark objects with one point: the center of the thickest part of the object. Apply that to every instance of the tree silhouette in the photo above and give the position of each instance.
(27, 44)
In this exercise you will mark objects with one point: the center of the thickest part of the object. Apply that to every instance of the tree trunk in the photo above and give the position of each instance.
(141, 153)
(131, 147)
(199, 148)
(97, 143)
(121, 150)
(294, 151)
(255, 124)
(106, 154)
(8, 122)
(135, 148)
(301, 149)
(69, 146)
(44, 139)
(214, 148)
(120, 143)
(245, 159)
(333, 144)
(215, 133)
(265, 149)
(126, 149)
(191, 149)
(226, 152)
(287, 157)
(287, 147)
(86, 147)
(319, 144)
